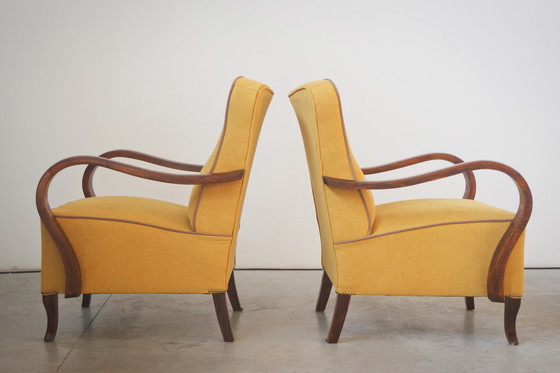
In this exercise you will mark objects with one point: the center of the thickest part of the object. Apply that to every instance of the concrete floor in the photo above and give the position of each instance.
(278, 331)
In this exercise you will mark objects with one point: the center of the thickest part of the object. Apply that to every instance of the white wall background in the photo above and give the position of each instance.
(479, 79)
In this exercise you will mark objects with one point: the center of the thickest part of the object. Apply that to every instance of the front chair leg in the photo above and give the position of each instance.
(223, 317)
(324, 292)
(51, 306)
(232, 294)
(340, 310)
(511, 308)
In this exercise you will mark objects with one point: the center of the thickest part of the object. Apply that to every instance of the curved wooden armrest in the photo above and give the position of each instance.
(69, 260)
(501, 255)
(470, 181)
(87, 179)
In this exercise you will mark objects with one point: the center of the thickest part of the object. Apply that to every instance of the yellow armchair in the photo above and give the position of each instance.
(425, 247)
(118, 244)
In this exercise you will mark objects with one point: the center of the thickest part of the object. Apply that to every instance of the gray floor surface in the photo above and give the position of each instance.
(278, 331)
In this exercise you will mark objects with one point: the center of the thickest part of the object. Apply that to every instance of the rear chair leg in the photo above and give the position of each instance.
(223, 317)
(86, 300)
(511, 309)
(469, 303)
(324, 292)
(232, 294)
(51, 306)
(340, 310)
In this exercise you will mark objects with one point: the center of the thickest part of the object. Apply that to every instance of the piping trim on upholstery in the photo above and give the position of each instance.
(218, 151)
(350, 157)
(221, 140)
(322, 185)
(139, 223)
(245, 178)
(426, 226)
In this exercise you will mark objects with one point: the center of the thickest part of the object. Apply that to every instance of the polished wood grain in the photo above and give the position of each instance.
(470, 181)
(504, 248)
(324, 293)
(87, 179)
(67, 255)
(339, 316)
(511, 308)
(232, 294)
(51, 306)
(223, 317)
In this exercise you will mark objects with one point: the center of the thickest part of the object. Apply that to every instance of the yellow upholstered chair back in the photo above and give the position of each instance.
(216, 208)
(342, 214)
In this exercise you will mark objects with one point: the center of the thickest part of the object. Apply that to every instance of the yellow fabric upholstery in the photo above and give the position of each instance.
(431, 247)
(217, 208)
(342, 214)
(141, 245)
(428, 247)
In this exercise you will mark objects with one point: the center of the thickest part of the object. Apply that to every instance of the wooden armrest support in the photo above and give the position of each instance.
(69, 260)
(470, 181)
(87, 179)
(501, 255)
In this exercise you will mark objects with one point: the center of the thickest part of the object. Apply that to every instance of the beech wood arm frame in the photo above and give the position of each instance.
(470, 181)
(69, 260)
(87, 180)
(501, 255)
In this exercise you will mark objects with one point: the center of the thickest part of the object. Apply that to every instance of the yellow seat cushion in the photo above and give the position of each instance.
(133, 210)
(439, 247)
(136, 245)
(421, 213)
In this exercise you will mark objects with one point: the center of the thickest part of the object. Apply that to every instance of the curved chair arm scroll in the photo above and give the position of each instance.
(501, 255)
(470, 181)
(69, 259)
(87, 179)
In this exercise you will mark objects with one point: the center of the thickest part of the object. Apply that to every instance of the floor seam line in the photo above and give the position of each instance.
(83, 333)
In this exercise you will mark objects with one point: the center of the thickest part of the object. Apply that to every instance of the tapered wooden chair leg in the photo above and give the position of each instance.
(232, 294)
(469, 303)
(340, 310)
(51, 306)
(86, 300)
(324, 292)
(223, 317)
(511, 309)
